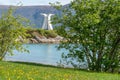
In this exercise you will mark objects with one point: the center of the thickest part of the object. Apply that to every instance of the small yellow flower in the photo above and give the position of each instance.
(9, 79)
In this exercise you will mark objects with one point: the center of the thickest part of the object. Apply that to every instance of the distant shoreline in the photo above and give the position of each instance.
(41, 36)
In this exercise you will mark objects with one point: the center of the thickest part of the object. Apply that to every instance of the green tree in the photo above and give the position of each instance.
(11, 28)
(92, 31)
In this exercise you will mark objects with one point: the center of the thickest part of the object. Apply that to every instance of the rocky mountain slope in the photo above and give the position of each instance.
(33, 13)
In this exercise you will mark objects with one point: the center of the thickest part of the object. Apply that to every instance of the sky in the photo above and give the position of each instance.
(32, 2)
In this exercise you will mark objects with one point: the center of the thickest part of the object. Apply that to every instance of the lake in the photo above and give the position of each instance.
(39, 53)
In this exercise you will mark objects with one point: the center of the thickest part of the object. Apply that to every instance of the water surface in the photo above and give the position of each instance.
(39, 53)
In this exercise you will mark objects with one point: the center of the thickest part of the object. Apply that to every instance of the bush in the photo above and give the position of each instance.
(41, 31)
(47, 33)
(93, 26)
(50, 33)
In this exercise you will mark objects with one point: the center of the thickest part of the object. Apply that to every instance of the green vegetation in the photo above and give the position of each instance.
(11, 28)
(42, 32)
(47, 33)
(50, 33)
(29, 71)
(93, 26)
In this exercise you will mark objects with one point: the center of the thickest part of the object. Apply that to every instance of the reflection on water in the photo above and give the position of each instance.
(39, 53)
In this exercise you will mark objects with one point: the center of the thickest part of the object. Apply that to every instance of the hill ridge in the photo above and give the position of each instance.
(32, 13)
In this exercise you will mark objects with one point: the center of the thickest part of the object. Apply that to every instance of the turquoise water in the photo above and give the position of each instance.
(39, 53)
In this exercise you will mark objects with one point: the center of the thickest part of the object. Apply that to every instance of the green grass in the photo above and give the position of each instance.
(30, 71)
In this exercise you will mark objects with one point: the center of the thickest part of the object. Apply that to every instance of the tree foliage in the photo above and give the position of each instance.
(92, 31)
(11, 28)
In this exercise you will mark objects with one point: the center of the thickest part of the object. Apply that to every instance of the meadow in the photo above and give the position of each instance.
(31, 71)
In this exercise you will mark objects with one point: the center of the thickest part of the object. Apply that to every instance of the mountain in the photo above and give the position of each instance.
(33, 13)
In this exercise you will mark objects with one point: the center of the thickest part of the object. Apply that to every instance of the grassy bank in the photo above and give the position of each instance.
(41, 32)
(28, 71)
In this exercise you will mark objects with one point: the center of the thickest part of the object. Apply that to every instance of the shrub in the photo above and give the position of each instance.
(50, 33)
